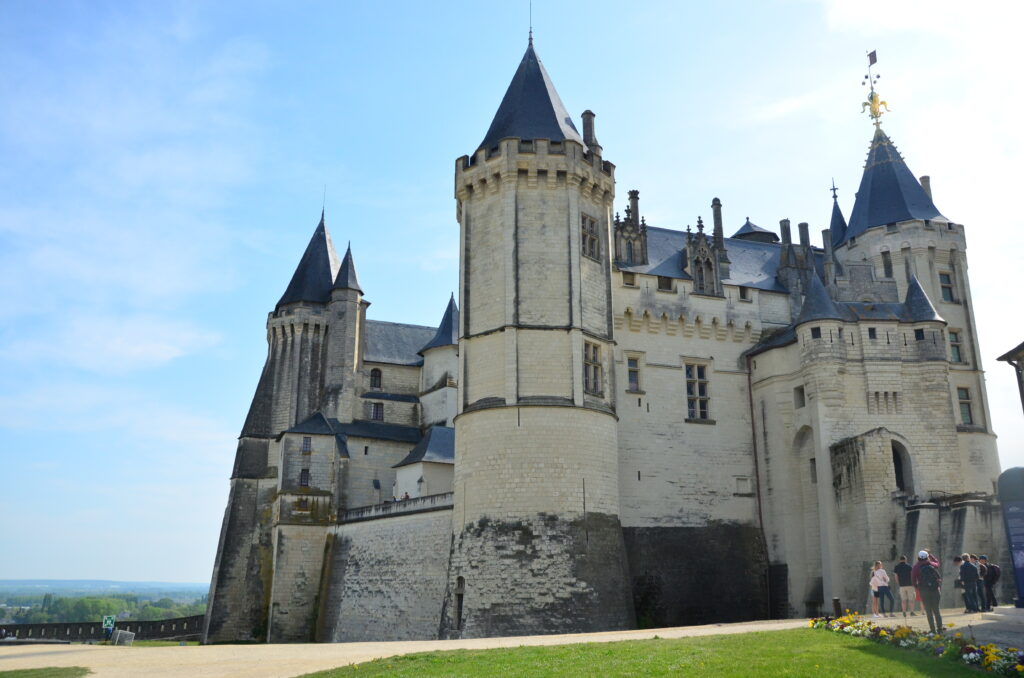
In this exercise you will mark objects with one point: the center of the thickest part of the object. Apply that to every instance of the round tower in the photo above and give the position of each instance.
(537, 546)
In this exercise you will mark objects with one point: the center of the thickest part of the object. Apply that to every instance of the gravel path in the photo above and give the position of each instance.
(267, 661)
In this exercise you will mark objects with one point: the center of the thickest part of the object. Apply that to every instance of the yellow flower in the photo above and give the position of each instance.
(956, 635)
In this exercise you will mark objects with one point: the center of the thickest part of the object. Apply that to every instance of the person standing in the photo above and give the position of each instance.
(908, 596)
(926, 578)
(982, 571)
(880, 586)
(969, 578)
(991, 578)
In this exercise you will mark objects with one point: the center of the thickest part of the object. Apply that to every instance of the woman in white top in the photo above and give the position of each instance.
(880, 590)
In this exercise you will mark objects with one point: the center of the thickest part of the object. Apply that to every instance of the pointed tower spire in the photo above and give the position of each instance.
(888, 191)
(917, 306)
(316, 270)
(818, 305)
(448, 331)
(347, 278)
(531, 108)
(837, 227)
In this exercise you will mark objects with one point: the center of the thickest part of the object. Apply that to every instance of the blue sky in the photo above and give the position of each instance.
(164, 166)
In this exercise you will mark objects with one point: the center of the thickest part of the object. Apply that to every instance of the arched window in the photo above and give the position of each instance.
(375, 378)
(902, 468)
(629, 251)
(709, 276)
(698, 269)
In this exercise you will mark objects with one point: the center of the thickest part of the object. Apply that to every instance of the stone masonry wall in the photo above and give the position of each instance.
(385, 579)
(298, 561)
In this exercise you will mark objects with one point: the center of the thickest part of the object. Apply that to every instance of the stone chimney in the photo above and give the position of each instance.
(926, 184)
(716, 211)
(805, 234)
(588, 132)
(784, 227)
(634, 206)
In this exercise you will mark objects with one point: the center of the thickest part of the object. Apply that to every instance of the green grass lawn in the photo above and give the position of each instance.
(51, 672)
(796, 652)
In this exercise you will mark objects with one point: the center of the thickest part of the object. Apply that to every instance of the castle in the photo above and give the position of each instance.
(619, 424)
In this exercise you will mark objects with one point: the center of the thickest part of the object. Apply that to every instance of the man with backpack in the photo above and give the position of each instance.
(928, 582)
(991, 578)
(969, 577)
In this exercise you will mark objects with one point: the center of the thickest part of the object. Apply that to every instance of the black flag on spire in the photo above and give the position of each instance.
(872, 59)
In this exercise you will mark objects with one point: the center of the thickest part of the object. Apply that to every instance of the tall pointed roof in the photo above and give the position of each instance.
(347, 278)
(818, 305)
(838, 224)
(531, 108)
(448, 331)
(315, 273)
(888, 191)
(917, 306)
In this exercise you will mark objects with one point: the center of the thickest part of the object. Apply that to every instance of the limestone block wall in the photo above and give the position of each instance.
(386, 578)
(439, 406)
(298, 561)
(320, 461)
(437, 479)
(240, 587)
(370, 460)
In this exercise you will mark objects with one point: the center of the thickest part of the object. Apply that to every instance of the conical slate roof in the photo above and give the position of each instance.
(347, 278)
(917, 306)
(531, 108)
(448, 330)
(315, 273)
(818, 305)
(888, 191)
(838, 224)
(751, 231)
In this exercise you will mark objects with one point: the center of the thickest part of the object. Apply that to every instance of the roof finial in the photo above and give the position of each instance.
(874, 103)
(834, 189)
(323, 205)
(531, 23)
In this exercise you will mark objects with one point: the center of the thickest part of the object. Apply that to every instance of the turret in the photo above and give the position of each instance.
(536, 475)
(439, 376)
(347, 311)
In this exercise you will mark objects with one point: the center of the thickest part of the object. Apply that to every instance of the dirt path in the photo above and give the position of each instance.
(266, 661)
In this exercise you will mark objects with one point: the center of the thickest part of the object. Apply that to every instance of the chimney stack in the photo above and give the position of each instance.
(588, 131)
(786, 236)
(805, 234)
(634, 207)
(716, 211)
(926, 184)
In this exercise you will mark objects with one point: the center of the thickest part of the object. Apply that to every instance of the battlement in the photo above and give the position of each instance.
(538, 162)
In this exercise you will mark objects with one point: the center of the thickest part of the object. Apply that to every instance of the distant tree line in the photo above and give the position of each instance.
(52, 608)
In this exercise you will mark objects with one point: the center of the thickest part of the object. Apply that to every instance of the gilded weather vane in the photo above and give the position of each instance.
(874, 102)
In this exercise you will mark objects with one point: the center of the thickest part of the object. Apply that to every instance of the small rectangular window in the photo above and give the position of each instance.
(955, 347)
(886, 265)
(307, 445)
(592, 381)
(799, 398)
(946, 283)
(629, 279)
(366, 450)
(698, 392)
(304, 478)
(815, 333)
(919, 335)
(590, 246)
(964, 396)
(377, 411)
(872, 333)
(814, 470)
(744, 294)
(664, 283)
(633, 367)
(303, 504)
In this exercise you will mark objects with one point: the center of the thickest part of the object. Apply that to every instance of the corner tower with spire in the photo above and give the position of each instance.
(536, 479)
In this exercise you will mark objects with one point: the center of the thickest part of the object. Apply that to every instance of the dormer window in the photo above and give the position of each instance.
(375, 378)
(629, 279)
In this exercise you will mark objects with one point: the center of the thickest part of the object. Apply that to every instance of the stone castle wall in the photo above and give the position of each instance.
(385, 579)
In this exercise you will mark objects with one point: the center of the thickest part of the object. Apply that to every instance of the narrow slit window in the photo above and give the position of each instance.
(633, 367)
(592, 381)
(966, 415)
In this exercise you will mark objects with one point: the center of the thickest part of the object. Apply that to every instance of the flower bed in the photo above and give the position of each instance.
(991, 658)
